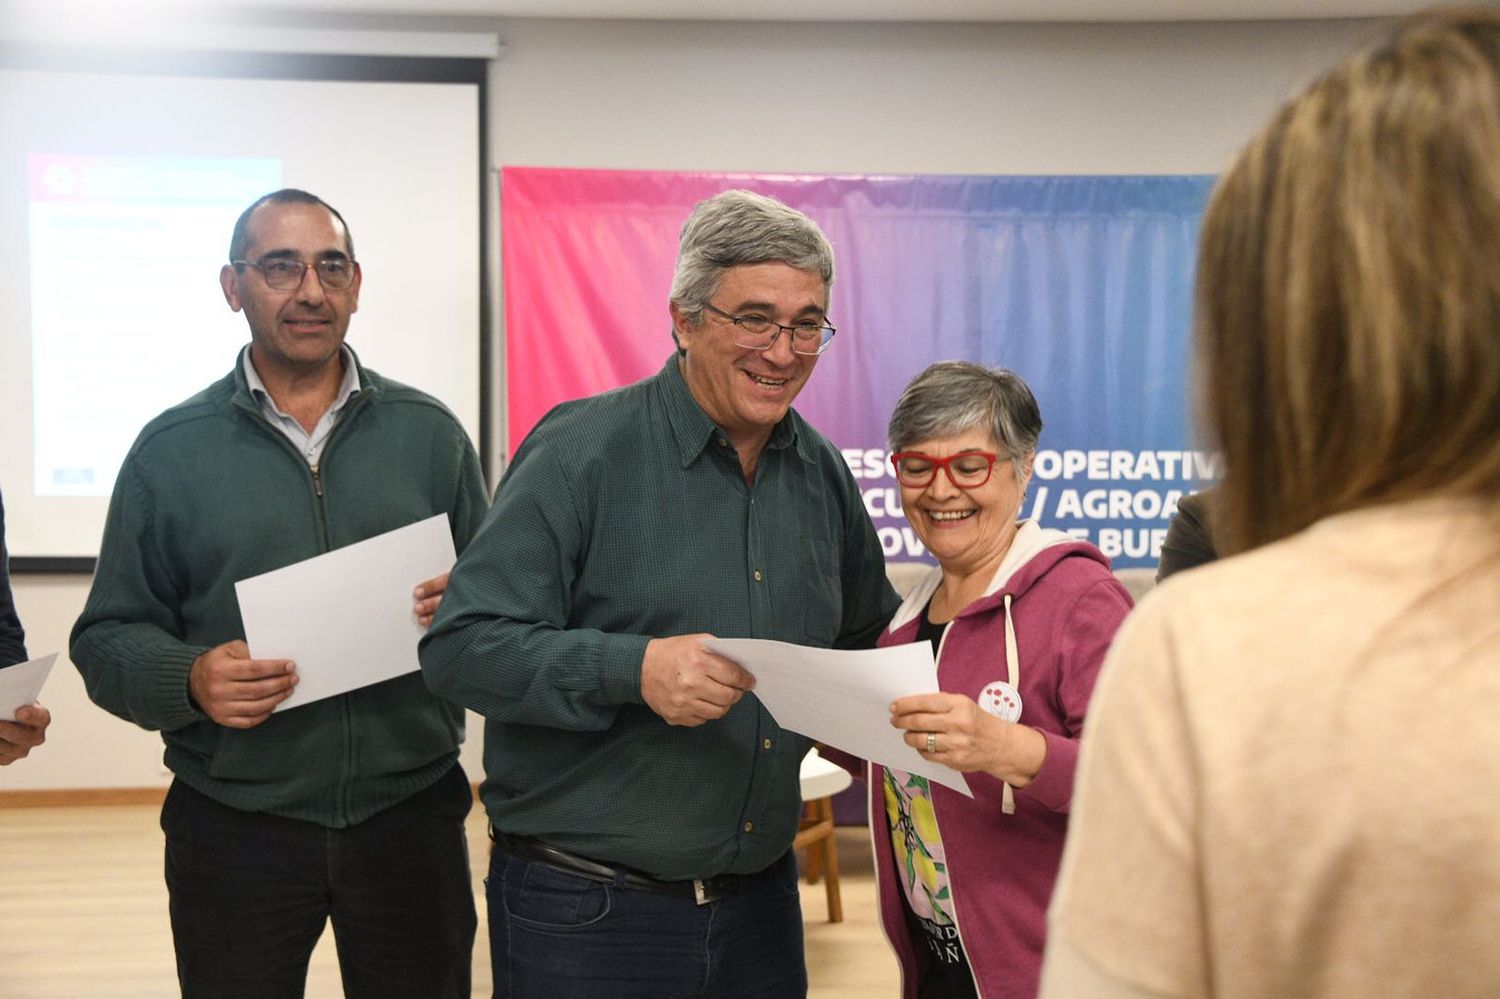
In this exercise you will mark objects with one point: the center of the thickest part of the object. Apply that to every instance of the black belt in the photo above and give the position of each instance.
(700, 890)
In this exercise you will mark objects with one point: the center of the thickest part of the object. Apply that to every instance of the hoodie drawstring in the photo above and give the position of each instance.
(1013, 677)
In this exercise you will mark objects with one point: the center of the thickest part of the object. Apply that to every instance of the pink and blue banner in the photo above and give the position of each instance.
(1082, 285)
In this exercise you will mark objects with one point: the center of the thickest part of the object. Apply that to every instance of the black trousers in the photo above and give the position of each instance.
(250, 894)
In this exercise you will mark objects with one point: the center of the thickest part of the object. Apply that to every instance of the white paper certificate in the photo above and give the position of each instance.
(22, 683)
(843, 698)
(345, 617)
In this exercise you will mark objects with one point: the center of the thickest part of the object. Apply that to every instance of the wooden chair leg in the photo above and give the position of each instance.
(830, 847)
(818, 812)
(820, 859)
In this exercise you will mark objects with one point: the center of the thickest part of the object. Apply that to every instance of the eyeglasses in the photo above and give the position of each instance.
(760, 333)
(966, 470)
(286, 273)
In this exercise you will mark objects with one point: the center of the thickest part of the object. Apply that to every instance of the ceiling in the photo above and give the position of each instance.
(754, 10)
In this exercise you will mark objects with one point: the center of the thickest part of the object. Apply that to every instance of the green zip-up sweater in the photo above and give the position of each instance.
(211, 493)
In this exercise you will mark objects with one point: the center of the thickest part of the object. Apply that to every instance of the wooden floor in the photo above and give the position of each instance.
(83, 912)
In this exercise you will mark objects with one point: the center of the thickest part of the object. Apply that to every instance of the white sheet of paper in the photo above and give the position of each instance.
(843, 698)
(22, 683)
(345, 617)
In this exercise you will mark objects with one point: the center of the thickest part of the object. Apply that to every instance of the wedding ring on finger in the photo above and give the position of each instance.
(932, 742)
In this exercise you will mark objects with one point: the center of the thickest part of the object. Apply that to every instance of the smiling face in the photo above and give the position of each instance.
(966, 529)
(747, 392)
(299, 330)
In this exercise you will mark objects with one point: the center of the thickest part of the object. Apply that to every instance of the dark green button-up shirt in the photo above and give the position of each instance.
(625, 517)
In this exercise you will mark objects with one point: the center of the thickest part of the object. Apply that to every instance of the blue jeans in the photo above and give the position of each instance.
(250, 894)
(555, 935)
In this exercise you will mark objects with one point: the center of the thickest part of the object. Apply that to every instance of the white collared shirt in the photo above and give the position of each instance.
(310, 445)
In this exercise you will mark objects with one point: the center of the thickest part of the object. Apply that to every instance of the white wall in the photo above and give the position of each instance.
(982, 99)
(871, 98)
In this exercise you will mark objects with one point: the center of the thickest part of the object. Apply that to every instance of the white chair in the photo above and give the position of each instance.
(821, 780)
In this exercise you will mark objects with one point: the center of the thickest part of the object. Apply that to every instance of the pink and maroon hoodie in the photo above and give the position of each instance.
(1044, 625)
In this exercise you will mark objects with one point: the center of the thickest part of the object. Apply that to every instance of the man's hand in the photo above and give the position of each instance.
(427, 596)
(237, 691)
(28, 730)
(687, 684)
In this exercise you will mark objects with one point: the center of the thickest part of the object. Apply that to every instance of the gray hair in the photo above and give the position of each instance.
(742, 227)
(953, 396)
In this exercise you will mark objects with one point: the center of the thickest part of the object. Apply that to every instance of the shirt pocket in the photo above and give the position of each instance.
(821, 591)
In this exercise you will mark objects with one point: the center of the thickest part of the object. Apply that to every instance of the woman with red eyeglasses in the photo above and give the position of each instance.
(1019, 618)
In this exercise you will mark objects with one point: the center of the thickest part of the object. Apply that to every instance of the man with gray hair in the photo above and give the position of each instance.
(642, 808)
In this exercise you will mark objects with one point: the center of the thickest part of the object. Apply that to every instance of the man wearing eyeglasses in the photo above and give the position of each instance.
(348, 809)
(642, 807)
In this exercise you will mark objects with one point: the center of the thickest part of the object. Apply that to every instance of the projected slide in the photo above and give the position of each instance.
(118, 193)
(125, 306)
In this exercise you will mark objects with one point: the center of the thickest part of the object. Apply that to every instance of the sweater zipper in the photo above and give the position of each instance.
(317, 477)
(314, 471)
(346, 769)
(346, 779)
(356, 403)
(325, 542)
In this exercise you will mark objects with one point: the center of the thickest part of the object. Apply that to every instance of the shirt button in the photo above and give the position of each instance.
(766, 744)
(757, 575)
(749, 826)
(723, 442)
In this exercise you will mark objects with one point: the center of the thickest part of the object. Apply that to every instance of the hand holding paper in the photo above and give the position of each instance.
(18, 738)
(23, 723)
(970, 738)
(346, 618)
(22, 683)
(843, 698)
(687, 684)
(237, 691)
(427, 596)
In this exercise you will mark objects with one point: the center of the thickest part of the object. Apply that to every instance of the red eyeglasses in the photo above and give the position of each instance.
(966, 470)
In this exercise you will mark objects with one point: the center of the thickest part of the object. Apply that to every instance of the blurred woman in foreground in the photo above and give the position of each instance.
(1019, 618)
(1289, 783)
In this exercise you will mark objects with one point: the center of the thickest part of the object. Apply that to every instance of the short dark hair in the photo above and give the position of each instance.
(286, 196)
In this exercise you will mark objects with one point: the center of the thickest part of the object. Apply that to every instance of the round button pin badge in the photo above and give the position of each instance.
(1001, 700)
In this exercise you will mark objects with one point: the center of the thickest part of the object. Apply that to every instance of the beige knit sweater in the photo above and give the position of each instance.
(1290, 785)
